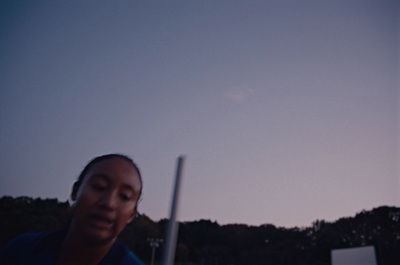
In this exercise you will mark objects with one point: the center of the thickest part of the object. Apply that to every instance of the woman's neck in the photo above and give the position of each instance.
(76, 250)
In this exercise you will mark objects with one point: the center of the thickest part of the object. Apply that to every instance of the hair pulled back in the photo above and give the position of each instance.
(105, 157)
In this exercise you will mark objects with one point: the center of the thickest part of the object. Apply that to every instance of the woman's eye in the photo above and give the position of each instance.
(125, 197)
(98, 187)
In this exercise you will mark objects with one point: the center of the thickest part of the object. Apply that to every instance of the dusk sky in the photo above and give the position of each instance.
(287, 111)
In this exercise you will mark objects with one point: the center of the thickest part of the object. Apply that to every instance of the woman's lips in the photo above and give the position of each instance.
(100, 221)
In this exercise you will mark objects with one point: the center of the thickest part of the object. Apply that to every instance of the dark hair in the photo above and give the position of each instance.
(105, 157)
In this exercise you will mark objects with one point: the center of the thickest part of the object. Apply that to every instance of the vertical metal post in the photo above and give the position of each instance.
(154, 243)
(153, 254)
(172, 231)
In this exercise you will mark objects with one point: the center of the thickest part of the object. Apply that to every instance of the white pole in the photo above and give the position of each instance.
(172, 231)
(154, 243)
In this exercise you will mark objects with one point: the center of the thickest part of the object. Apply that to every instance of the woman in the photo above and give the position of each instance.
(105, 199)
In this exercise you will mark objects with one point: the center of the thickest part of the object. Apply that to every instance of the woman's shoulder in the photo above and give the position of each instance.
(28, 239)
(21, 247)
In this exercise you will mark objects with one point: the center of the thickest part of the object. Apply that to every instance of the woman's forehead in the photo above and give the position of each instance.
(115, 169)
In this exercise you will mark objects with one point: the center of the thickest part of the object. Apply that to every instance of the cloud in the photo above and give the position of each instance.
(239, 94)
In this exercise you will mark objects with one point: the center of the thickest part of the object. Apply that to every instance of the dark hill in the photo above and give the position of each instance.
(208, 243)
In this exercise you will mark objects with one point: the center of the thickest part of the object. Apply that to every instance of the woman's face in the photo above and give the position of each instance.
(106, 200)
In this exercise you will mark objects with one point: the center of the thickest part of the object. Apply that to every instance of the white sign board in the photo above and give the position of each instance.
(354, 256)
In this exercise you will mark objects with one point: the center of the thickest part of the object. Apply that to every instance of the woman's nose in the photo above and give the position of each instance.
(109, 200)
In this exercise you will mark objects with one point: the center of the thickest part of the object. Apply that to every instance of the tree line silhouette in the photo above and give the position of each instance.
(205, 242)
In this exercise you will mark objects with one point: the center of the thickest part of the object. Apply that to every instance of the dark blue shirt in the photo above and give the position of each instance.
(42, 248)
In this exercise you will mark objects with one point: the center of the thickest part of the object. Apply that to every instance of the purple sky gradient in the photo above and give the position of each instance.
(287, 111)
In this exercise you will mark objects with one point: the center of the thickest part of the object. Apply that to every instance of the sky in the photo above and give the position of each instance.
(287, 112)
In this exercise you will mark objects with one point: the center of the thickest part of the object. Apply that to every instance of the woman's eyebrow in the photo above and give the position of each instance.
(129, 187)
(100, 176)
(105, 177)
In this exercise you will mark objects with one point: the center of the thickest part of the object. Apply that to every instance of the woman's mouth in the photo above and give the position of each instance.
(100, 221)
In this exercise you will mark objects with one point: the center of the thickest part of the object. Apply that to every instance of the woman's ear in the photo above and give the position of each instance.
(132, 216)
(75, 189)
